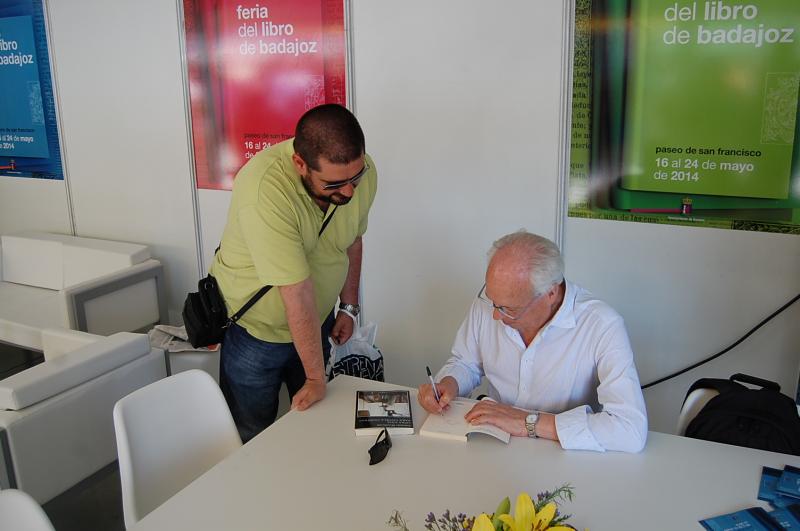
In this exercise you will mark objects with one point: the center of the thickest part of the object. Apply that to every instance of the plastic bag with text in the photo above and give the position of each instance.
(358, 357)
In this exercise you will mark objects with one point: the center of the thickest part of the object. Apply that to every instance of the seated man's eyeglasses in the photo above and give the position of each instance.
(352, 180)
(381, 447)
(506, 311)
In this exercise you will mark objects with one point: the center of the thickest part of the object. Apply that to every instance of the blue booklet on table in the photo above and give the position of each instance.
(768, 489)
(788, 518)
(754, 518)
(781, 488)
(789, 482)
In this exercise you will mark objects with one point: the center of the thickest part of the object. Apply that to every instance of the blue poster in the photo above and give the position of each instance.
(29, 143)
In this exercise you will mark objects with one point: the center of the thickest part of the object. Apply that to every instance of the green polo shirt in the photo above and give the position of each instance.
(270, 238)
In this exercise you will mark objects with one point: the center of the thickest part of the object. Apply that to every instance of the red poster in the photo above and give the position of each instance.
(254, 69)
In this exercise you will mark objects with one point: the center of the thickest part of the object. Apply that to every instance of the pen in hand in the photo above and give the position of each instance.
(435, 390)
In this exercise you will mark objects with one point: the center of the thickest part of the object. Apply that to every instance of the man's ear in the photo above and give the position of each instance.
(299, 164)
(553, 292)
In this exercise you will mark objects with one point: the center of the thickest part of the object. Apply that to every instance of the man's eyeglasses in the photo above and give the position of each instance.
(381, 447)
(352, 180)
(511, 313)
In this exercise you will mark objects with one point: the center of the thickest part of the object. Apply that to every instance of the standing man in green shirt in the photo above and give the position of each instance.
(280, 200)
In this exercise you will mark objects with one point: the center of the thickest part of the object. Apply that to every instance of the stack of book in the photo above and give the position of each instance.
(781, 489)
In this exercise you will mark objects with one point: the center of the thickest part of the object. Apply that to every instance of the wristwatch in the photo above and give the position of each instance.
(530, 424)
(350, 309)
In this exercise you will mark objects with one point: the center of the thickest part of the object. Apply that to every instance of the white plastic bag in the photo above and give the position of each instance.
(358, 357)
(174, 339)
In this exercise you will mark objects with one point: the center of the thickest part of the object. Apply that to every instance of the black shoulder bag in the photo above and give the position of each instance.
(205, 315)
(763, 418)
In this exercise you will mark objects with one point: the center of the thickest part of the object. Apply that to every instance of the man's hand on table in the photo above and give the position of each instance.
(511, 419)
(312, 391)
(507, 418)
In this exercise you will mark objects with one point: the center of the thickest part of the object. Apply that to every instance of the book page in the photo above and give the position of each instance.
(494, 431)
(452, 425)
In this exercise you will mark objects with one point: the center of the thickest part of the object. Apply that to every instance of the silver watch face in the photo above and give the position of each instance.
(352, 308)
(530, 424)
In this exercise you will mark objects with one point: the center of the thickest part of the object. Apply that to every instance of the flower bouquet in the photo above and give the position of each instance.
(528, 515)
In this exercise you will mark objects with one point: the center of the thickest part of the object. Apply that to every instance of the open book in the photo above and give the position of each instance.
(452, 425)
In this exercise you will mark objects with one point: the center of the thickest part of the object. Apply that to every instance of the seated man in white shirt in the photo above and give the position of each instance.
(558, 361)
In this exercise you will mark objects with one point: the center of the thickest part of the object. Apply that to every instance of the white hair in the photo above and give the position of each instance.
(542, 257)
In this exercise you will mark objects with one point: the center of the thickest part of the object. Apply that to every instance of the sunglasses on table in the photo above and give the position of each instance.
(352, 180)
(380, 449)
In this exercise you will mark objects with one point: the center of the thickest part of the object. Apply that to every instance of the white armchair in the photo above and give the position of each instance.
(59, 281)
(56, 423)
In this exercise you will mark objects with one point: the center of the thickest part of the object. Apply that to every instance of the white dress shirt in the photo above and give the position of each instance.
(579, 366)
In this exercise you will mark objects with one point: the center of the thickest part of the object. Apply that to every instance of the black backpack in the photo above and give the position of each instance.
(762, 418)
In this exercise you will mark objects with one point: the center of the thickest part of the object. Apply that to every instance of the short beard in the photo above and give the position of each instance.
(339, 199)
(335, 198)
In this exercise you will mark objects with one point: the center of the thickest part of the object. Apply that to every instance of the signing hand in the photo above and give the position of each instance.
(342, 328)
(311, 392)
(448, 390)
(507, 418)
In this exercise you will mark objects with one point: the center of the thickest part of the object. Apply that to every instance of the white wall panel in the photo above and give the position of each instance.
(687, 293)
(213, 207)
(459, 103)
(119, 77)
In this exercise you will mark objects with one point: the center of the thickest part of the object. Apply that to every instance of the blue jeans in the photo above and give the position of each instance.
(251, 372)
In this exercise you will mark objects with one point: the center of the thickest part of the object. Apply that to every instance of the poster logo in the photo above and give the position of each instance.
(254, 69)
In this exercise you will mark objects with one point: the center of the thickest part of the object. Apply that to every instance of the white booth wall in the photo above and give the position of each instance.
(688, 293)
(462, 107)
(119, 80)
(460, 104)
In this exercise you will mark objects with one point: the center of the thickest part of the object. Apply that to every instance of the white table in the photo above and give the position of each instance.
(309, 472)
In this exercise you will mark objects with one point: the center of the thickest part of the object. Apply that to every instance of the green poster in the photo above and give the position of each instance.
(686, 112)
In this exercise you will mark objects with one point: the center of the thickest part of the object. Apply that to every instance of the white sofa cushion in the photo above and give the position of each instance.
(41, 307)
(58, 341)
(56, 261)
(86, 258)
(73, 368)
(32, 261)
(26, 310)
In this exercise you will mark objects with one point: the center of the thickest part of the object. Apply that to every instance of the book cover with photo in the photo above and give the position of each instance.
(376, 410)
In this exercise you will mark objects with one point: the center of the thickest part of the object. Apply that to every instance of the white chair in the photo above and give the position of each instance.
(696, 400)
(168, 434)
(20, 512)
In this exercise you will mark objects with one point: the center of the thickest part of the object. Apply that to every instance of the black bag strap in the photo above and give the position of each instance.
(765, 384)
(732, 384)
(261, 292)
(718, 384)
